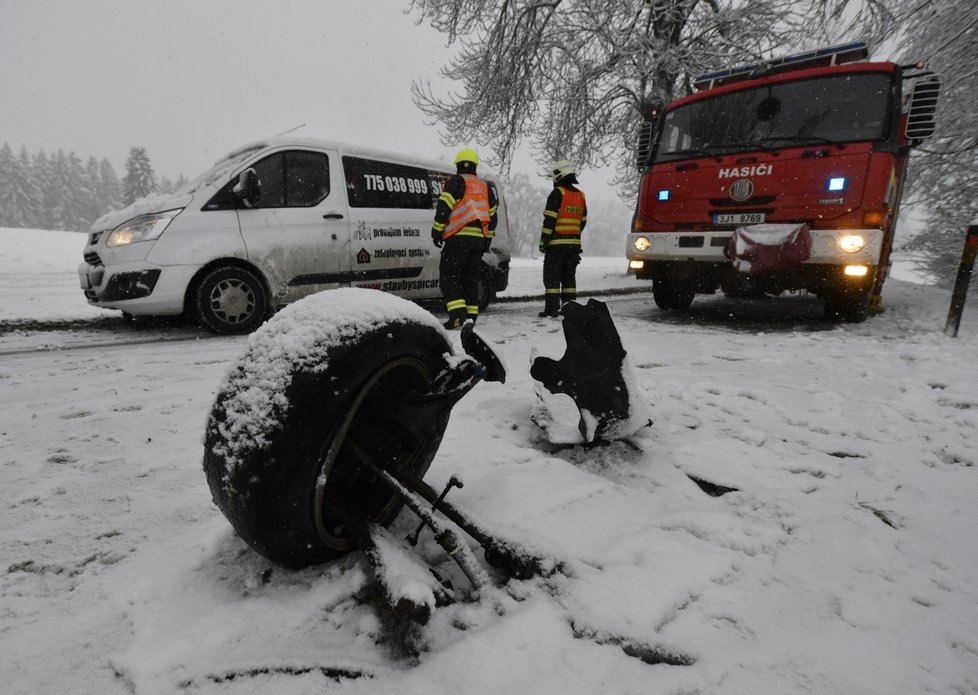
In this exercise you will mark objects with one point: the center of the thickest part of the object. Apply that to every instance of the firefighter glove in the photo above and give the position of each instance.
(436, 238)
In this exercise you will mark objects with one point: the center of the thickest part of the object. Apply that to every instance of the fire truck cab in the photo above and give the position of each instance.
(780, 176)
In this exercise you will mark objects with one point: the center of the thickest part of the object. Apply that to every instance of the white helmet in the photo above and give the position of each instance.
(560, 169)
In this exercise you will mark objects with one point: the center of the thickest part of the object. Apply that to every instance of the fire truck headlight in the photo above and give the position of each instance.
(641, 244)
(856, 271)
(837, 183)
(664, 195)
(852, 243)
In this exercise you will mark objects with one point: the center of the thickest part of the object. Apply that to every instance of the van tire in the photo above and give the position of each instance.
(487, 291)
(277, 494)
(231, 300)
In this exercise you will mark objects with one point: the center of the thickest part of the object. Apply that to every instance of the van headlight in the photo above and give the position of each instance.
(851, 243)
(142, 228)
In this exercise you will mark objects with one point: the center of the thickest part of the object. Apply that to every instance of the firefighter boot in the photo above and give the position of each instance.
(551, 307)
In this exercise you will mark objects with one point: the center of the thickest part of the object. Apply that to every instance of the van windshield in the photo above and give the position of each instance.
(222, 168)
(834, 109)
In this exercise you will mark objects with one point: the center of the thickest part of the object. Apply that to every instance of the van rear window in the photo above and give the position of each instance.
(371, 183)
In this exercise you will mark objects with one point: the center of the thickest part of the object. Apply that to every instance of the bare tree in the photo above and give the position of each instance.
(943, 34)
(577, 76)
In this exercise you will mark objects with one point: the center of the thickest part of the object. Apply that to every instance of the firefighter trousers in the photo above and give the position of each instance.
(560, 277)
(459, 268)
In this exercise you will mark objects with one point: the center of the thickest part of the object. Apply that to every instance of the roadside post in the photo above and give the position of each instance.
(961, 284)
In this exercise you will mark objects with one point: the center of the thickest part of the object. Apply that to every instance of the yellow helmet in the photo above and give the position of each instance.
(467, 154)
(560, 169)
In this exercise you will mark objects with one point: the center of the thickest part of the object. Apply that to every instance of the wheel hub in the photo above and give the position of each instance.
(232, 301)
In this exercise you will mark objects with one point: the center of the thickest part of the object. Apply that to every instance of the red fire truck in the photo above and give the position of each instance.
(780, 176)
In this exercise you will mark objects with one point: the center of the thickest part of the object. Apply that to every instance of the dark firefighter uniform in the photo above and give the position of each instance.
(564, 218)
(465, 222)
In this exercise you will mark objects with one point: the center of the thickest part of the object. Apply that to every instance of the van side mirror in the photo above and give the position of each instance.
(922, 109)
(248, 188)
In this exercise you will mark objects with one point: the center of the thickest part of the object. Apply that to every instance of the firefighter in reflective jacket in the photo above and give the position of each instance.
(564, 219)
(465, 222)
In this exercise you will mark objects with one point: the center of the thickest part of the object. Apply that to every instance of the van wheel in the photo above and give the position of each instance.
(671, 296)
(486, 292)
(280, 489)
(231, 300)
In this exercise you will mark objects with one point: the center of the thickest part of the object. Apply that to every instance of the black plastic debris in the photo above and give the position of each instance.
(591, 370)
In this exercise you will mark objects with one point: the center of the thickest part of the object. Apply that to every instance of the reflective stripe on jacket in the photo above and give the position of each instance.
(470, 215)
(568, 220)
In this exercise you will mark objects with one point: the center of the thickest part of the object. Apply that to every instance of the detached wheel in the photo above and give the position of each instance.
(671, 296)
(324, 384)
(231, 300)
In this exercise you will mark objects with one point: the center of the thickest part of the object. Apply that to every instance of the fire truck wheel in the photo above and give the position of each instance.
(848, 307)
(670, 295)
(282, 491)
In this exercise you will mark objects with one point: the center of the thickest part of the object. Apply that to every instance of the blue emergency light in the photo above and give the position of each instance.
(837, 183)
(664, 195)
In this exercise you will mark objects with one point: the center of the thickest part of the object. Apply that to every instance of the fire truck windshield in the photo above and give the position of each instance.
(835, 109)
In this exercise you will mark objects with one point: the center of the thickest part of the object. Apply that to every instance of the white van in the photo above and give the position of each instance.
(273, 222)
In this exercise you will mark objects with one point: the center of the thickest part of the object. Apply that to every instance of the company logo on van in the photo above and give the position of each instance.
(363, 256)
(756, 170)
(742, 189)
(361, 233)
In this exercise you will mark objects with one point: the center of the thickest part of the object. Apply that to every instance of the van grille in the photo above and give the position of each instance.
(92, 258)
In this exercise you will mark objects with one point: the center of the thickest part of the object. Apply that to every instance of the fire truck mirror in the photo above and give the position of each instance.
(922, 109)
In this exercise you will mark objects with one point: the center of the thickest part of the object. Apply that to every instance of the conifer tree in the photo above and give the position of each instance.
(140, 180)
(42, 173)
(71, 193)
(32, 191)
(109, 193)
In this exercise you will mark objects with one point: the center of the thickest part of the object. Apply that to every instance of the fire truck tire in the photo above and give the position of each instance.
(847, 307)
(278, 491)
(670, 295)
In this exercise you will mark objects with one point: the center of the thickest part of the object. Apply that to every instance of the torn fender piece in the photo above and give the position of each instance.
(591, 371)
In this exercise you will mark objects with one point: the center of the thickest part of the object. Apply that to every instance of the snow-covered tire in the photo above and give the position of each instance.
(231, 300)
(323, 383)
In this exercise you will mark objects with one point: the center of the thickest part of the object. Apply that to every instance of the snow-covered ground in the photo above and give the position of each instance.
(844, 561)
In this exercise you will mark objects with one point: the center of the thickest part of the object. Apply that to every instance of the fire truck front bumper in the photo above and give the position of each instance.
(845, 247)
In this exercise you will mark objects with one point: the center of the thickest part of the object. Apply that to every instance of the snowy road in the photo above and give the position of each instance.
(842, 563)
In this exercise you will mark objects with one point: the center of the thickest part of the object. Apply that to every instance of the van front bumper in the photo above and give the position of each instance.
(136, 288)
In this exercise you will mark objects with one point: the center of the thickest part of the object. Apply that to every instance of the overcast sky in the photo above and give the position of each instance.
(190, 80)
